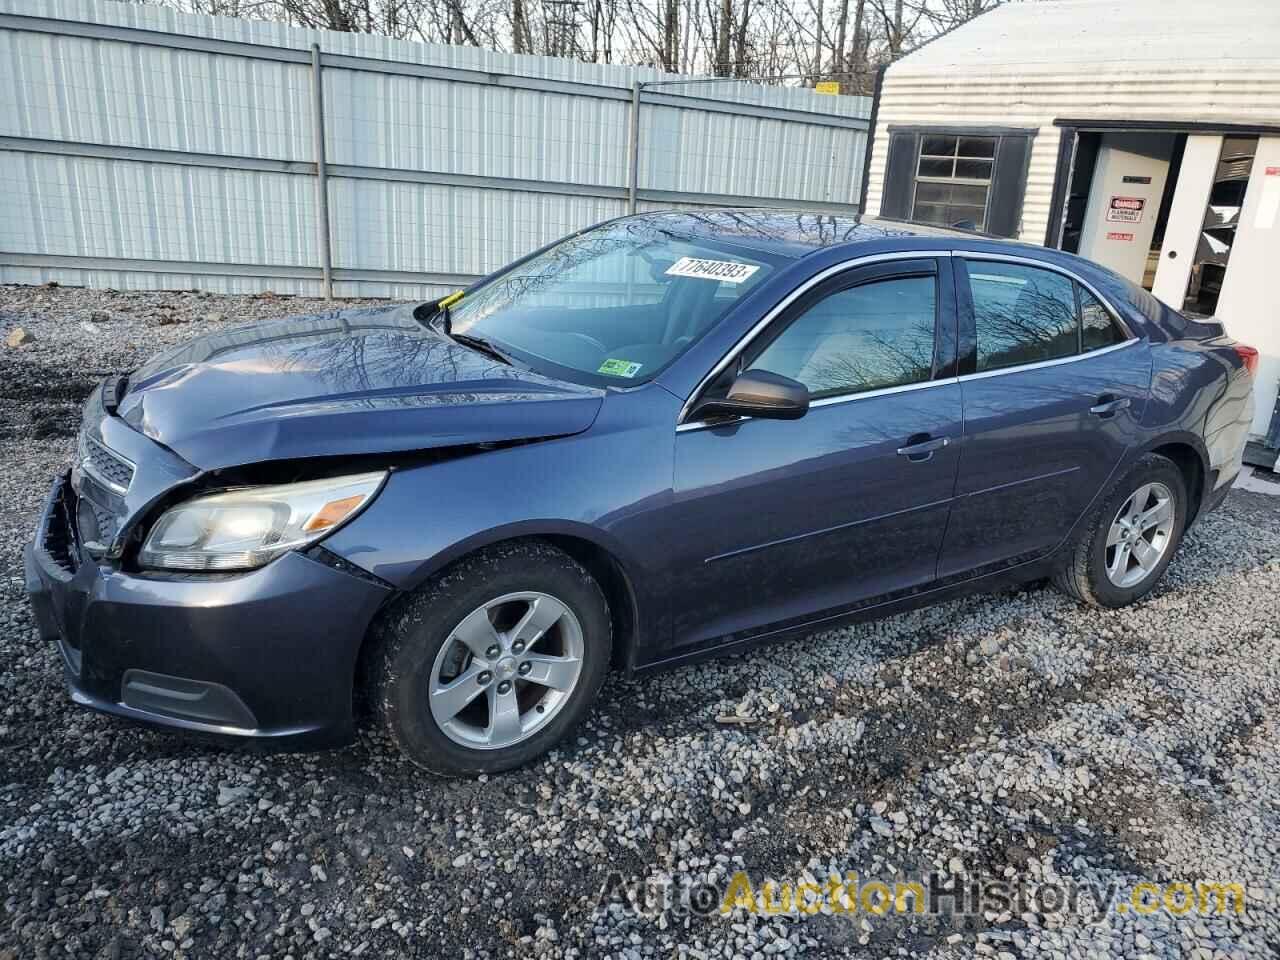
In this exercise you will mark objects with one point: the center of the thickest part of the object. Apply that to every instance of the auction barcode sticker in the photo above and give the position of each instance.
(726, 270)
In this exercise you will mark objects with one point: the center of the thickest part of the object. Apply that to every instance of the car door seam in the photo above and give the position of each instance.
(1013, 483)
(729, 554)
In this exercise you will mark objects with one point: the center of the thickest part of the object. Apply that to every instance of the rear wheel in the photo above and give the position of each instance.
(1125, 545)
(494, 661)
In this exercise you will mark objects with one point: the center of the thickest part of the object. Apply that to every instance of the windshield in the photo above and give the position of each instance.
(614, 305)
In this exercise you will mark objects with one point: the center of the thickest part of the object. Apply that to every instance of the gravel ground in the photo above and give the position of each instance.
(1012, 736)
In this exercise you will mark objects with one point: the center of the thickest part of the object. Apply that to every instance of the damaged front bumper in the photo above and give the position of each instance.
(269, 654)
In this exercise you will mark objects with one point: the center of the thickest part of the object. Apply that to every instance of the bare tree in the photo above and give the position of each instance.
(858, 58)
(724, 40)
(767, 40)
(898, 25)
(521, 42)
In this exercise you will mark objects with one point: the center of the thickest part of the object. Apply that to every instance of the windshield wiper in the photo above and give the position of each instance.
(478, 344)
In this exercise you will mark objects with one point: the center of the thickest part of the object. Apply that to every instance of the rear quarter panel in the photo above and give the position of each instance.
(1201, 393)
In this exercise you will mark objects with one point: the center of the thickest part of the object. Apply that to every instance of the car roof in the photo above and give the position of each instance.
(794, 234)
(791, 233)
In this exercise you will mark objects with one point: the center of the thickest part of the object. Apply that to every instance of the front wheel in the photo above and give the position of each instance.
(494, 661)
(1125, 545)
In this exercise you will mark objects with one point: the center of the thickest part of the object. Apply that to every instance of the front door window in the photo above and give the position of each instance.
(868, 337)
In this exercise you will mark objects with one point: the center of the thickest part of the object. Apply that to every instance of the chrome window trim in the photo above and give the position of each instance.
(881, 392)
(768, 318)
(1039, 364)
(828, 402)
(782, 305)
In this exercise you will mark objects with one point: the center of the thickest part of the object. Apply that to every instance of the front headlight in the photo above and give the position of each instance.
(243, 529)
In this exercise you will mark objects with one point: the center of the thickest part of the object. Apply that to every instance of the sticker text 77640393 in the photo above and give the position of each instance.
(725, 270)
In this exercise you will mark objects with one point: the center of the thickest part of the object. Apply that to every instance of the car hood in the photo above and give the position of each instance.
(343, 383)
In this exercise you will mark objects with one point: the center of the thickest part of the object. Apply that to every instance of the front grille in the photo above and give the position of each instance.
(93, 523)
(115, 470)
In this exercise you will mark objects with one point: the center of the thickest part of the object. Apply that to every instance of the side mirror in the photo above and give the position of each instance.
(760, 394)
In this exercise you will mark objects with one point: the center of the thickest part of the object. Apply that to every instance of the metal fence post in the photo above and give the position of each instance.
(633, 148)
(322, 173)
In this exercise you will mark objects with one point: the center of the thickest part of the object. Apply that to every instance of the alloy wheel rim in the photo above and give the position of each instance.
(1139, 536)
(506, 670)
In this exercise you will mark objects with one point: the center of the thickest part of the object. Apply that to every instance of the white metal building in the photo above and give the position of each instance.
(1142, 134)
(145, 148)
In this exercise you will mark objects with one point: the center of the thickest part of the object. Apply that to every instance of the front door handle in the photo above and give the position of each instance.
(921, 447)
(1109, 406)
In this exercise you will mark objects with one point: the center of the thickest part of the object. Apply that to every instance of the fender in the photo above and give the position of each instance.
(641, 613)
(1208, 472)
(605, 488)
(1173, 436)
(1135, 453)
(537, 527)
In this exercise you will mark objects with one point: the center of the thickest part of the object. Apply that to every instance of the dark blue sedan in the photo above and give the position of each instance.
(659, 439)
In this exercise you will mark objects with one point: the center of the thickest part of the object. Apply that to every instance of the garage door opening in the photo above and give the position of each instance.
(1122, 188)
(1160, 208)
(1218, 228)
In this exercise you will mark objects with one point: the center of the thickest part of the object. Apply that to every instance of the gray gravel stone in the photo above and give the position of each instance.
(1013, 735)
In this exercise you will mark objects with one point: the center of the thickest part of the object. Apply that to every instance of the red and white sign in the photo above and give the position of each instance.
(1269, 203)
(1113, 235)
(1126, 209)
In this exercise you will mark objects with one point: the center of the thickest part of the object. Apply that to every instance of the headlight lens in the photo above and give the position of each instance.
(244, 529)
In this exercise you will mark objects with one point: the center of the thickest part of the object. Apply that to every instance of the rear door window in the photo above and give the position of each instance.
(1098, 327)
(1021, 314)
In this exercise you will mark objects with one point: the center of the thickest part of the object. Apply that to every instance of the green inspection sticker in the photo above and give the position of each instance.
(619, 368)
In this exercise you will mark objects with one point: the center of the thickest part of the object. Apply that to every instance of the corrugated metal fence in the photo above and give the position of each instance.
(144, 148)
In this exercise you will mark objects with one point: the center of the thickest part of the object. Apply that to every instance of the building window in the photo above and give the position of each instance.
(953, 179)
(950, 175)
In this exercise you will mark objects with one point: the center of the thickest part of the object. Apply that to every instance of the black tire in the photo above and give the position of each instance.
(409, 639)
(1082, 574)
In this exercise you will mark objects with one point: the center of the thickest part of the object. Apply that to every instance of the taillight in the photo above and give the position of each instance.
(1249, 357)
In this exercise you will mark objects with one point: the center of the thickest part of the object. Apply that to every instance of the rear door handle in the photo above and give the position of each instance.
(921, 447)
(1108, 406)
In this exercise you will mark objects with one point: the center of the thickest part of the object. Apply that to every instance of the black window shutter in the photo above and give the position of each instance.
(1008, 185)
(899, 176)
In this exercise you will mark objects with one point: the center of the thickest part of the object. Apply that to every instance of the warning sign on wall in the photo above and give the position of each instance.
(1113, 235)
(1126, 209)
(1269, 206)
